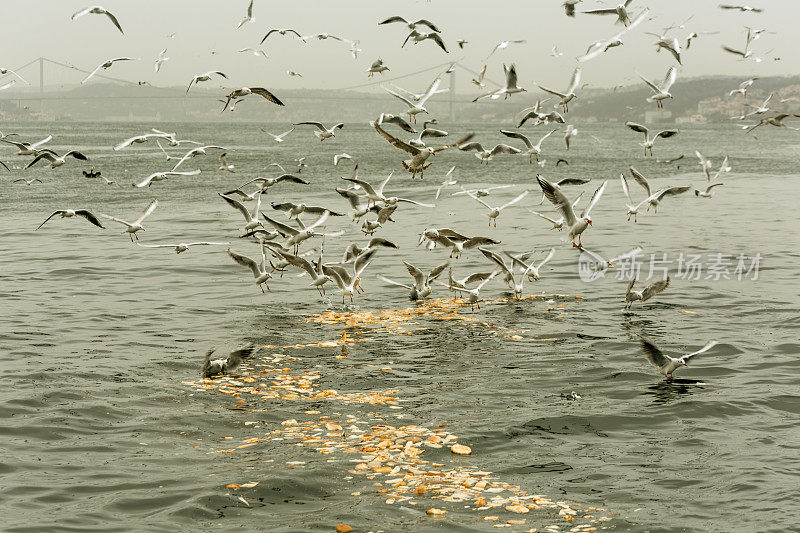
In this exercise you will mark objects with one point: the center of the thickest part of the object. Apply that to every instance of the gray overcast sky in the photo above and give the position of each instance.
(43, 28)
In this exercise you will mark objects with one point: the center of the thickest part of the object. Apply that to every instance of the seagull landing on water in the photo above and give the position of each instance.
(133, 227)
(651, 290)
(661, 91)
(666, 364)
(215, 367)
(97, 10)
(259, 269)
(422, 281)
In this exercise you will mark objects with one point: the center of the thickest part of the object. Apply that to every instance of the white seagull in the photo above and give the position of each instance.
(510, 87)
(259, 269)
(322, 132)
(349, 282)
(162, 57)
(422, 281)
(620, 11)
(484, 154)
(250, 217)
(502, 45)
(182, 246)
(559, 200)
(566, 97)
(599, 47)
(649, 141)
(55, 159)
(644, 295)
(666, 364)
(106, 65)
(97, 10)
(494, 212)
(661, 91)
(26, 148)
(197, 78)
(278, 138)
(194, 152)
(708, 193)
(534, 150)
(161, 176)
(136, 225)
(69, 213)
(248, 17)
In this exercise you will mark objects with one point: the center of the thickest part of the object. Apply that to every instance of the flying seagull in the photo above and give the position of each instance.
(69, 213)
(97, 10)
(667, 364)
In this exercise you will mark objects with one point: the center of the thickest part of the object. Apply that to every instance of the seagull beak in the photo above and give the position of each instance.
(590, 223)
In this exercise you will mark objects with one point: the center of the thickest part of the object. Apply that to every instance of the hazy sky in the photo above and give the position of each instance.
(43, 28)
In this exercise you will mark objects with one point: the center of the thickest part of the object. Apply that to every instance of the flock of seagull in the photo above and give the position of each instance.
(283, 245)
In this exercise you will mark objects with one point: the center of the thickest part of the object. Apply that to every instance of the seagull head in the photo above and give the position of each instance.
(588, 220)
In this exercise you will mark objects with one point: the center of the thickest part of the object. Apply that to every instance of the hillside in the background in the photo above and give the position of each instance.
(695, 99)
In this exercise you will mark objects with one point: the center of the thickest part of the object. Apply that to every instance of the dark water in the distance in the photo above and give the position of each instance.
(97, 336)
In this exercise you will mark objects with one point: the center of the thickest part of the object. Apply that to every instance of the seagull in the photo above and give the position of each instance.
(161, 176)
(570, 132)
(266, 183)
(7, 85)
(708, 193)
(459, 285)
(417, 37)
(69, 213)
(448, 180)
(411, 24)
(214, 367)
(669, 44)
(376, 193)
(197, 78)
(513, 284)
(360, 207)
(557, 224)
(666, 364)
(245, 91)
(510, 87)
(281, 31)
(555, 53)
(427, 132)
(27, 182)
(295, 210)
(533, 149)
(321, 37)
(339, 157)
(318, 277)
(474, 294)
(419, 155)
(259, 270)
(743, 87)
(649, 141)
(255, 52)
(530, 270)
(136, 225)
(181, 247)
(479, 79)
(301, 164)
(651, 290)
(481, 192)
(194, 152)
(397, 120)
(484, 154)
(106, 65)
(599, 47)
(670, 160)
(566, 97)
(224, 164)
(422, 281)
(414, 108)
(278, 138)
(354, 49)
(620, 11)
(377, 67)
(568, 182)
(294, 74)
(322, 132)
(455, 241)
(502, 45)
(26, 148)
(97, 10)
(777, 121)
(461, 43)
(706, 165)
(494, 212)
(761, 108)
(250, 217)
(354, 251)
(162, 57)
(5, 71)
(295, 237)
(170, 138)
(55, 159)
(661, 92)
(535, 112)
(653, 198)
(138, 139)
(433, 88)
(369, 227)
(249, 17)
(743, 9)
(349, 282)
(576, 225)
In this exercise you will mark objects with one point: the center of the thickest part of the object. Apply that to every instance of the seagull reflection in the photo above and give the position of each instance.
(666, 391)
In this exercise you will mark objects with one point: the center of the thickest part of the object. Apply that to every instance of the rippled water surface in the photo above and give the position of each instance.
(106, 426)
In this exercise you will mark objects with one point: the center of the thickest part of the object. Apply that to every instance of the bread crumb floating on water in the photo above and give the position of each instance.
(343, 528)
(433, 511)
(460, 449)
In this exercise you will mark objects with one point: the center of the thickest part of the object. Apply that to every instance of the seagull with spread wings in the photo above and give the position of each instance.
(282, 31)
(422, 281)
(484, 154)
(577, 225)
(248, 17)
(133, 227)
(534, 150)
(106, 65)
(650, 141)
(245, 91)
(569, 95)
(494, 212)
(97, 10)
(69, 213)
(661, 91)
(182, 246)
(215, 367)
(419, 156)
(55, 159)
(161, 176)
(621, 11)
(197, 78)
(259, 269)
(322, 132)
(648, 292)
(511, 86)
(666, 364)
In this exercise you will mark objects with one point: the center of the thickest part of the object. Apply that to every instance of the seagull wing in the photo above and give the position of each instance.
(150, 208)
(595, 198)
(625, 188)
(394, 141)
(416, 273)
(92, 73)
(641, 180)
(558, 199)
(670, 191)
(430, 91)
(606, 11)
(246, 262)
(426, 22)
(43, 155)
(654, 288)
(496, 259)
(545, 89)
(392, 282)
(236, 204)
(292, 178)
(266, 94)
(650, 84)
(312, 123)
(687, 358)
(669, 79)
(114, 21)
(504, 149)
(81, 13)
(477, 199)
(547, 218)
(405, 100)
(514, 201)
(459, 142)
(665, 134)
(437, 270)
(576, 79)
(638, 128)
(282, 228)
(654, 355)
